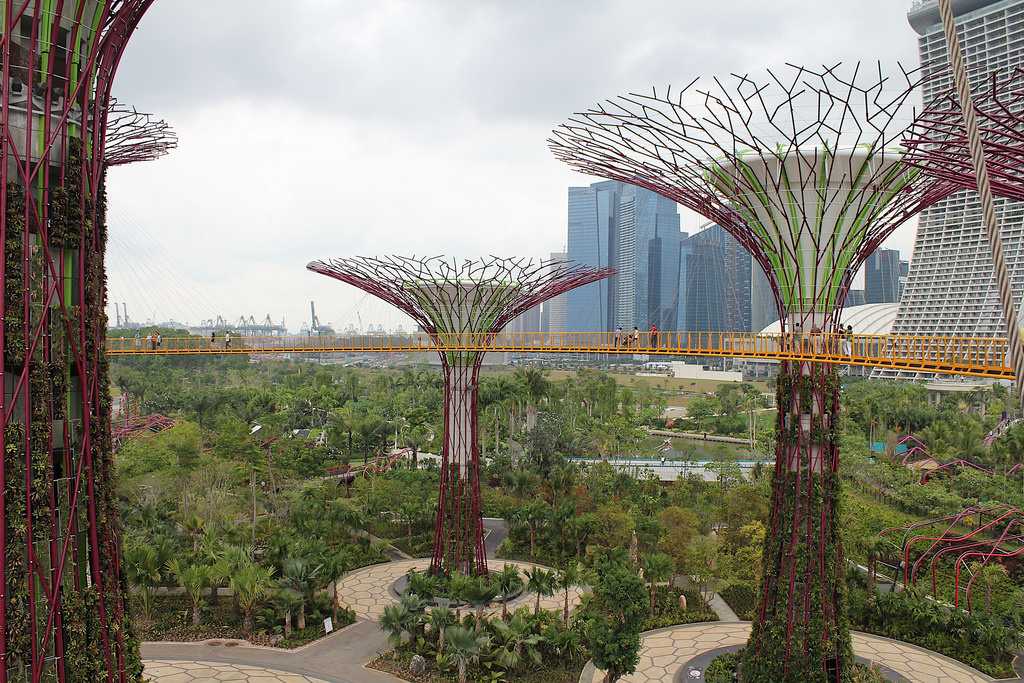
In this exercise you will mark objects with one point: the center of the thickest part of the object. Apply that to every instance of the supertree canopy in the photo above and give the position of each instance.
(460, 304)
(937, 142)
(133, 136)
(64, 611)
(804, 168)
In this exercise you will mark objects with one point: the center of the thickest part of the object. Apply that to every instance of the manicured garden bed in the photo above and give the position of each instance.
(172, 622)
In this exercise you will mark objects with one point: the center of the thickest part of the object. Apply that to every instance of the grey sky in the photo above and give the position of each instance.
(317, 128)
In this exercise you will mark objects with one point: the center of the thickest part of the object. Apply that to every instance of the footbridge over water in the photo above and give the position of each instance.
(972, 356)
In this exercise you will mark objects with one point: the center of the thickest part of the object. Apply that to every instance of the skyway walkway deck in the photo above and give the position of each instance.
(973, 356)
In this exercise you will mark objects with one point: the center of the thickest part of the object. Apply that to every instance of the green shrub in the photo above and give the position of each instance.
(742, 598)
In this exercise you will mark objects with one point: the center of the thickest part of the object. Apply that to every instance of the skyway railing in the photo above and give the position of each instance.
(974, 356)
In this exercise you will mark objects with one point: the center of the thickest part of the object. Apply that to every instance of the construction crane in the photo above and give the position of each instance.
(316, 327)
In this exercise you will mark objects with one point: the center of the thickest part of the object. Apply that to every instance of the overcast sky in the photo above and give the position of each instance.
(317, 128)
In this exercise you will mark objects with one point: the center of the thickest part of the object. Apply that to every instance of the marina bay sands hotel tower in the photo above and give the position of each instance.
(950, 287)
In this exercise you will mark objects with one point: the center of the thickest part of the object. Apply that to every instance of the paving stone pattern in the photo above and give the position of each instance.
(367, 591)
(664, 652)
(172, 671)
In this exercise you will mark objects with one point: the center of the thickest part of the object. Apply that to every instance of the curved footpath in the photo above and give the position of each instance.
(665, 656)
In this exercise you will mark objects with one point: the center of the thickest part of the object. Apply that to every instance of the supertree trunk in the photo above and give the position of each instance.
(800, 632)
(458, 531)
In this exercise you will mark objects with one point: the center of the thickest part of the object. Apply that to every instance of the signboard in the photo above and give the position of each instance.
(328, 625)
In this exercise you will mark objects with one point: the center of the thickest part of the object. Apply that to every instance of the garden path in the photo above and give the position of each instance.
(664, 654)
(367, 591)
(338, 658)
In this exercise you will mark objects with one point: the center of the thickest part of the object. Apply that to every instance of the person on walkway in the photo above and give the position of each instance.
(636, 337)
(227, 340)
(618, 336)
(654, 336)
(138, 340)
(159, 340)
(849, 340)
(213, 338)
(151, 338)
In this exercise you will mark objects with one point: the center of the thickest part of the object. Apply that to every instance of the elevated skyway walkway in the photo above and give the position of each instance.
(972, 356)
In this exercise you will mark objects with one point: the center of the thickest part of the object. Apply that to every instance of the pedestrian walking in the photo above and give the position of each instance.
(138, 340)
(636, 337)
(151, 338)
(618, 336)
(159, 340)
(654, 336)
(227, 340)
(848, 341)
(213, 338)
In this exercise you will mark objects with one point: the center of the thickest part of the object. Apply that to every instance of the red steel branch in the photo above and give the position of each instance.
(133, 136)
(452, 300)
(999, 539)
(937, 143)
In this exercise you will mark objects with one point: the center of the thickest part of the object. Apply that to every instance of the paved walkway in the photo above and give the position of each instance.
(170, 671)
(721, 608)
(367, 591)
(339, 658)
(663, 653)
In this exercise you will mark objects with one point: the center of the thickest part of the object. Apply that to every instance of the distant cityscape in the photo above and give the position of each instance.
(665, 277)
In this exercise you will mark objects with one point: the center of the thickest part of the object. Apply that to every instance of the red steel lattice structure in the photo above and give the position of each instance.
(937, 143)
(451, 297)
(802, 168)
(967, 539)
(64, 613)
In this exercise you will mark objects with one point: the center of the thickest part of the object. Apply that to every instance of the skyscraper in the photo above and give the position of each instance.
(882, 277)
(950, 287)
(553, 318)
(721, 287)
(636, 232)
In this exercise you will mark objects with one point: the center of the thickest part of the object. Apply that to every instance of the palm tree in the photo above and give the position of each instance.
(541, 582)
(439, 619)
(194, 579)
(299, 574)
(535, 387)
(393, 621)
(509, 582)
(516, 637)
(193, 527)
(567, 578)
(458, 588)
(287, 601)
(332, 566)
(251, 585)
(465, 647)
(480, 590)
(657, 568)
(142, 565)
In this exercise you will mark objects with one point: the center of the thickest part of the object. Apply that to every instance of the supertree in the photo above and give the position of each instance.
(460, 303)
(64, 613)
(802, 167)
